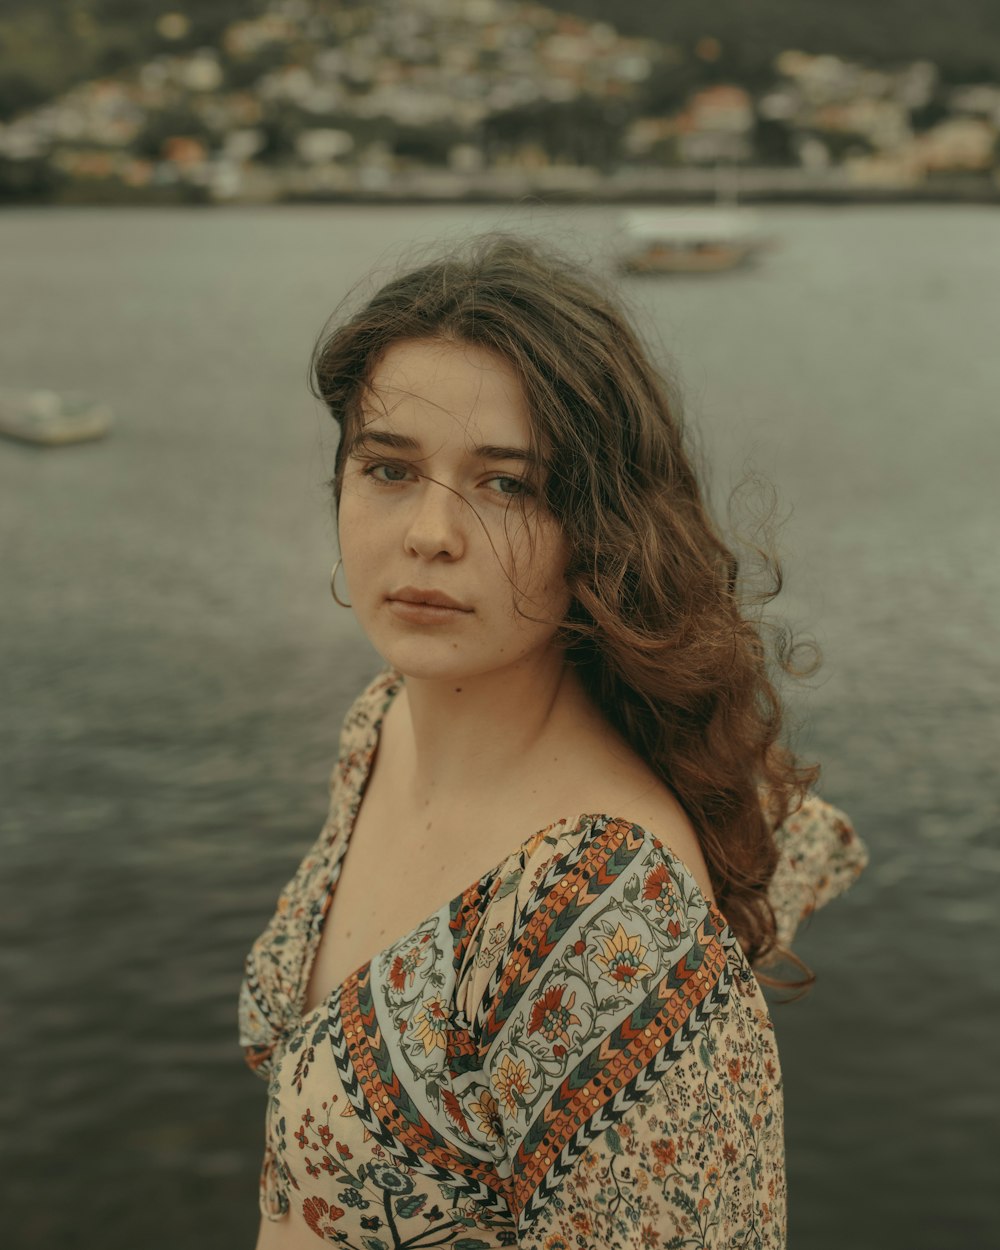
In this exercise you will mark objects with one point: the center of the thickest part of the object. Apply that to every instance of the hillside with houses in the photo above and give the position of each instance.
(452, 99)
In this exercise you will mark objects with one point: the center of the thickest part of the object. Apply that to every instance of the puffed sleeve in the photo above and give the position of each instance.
(820, 856)
(275, 966)
(628, 1057)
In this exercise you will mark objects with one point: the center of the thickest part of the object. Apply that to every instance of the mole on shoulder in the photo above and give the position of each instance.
(458, 689)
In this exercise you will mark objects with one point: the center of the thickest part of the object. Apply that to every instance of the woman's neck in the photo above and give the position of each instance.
(479, 738)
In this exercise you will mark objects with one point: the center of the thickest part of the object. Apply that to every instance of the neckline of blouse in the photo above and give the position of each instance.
(379, 696)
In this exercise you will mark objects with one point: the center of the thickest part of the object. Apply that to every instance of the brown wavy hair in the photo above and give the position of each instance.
(664, 636)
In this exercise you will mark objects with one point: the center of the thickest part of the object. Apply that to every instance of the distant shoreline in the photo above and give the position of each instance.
(988, 194)
(566, 185)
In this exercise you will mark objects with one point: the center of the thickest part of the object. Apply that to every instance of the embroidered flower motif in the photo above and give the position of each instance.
(494, 944)
(665, 1151)
(622, 960)
(551, 1017)
(488, 1111)
(320, 1216)
(352, 1198)
(404, 968)
(511, 1083)
(658, 888)
(453, 1108)
(430, 1025)
(385, 1176)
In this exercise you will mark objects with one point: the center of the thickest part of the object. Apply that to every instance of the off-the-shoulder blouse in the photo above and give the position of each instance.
(574, 1052)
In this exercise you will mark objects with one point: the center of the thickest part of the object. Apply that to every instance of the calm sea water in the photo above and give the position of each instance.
(175, 673)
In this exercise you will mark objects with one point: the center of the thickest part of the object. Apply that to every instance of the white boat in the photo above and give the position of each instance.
(690, 240)
(51, 419)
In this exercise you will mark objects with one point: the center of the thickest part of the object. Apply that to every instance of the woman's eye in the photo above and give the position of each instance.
(393, 468)
(396, 473)
(520, 488)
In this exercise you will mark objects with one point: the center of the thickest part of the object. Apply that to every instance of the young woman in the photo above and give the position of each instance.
(509, 997)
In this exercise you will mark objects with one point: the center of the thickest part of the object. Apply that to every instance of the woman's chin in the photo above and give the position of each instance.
(428, 659)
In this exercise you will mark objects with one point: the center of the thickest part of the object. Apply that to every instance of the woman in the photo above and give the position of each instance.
(522, 1011)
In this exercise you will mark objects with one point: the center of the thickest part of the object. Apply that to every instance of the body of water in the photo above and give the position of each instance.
(175, 673)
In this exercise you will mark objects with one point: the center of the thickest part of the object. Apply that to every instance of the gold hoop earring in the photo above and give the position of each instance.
(333, 588)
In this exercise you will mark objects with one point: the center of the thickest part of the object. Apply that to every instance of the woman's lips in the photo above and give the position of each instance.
(425, 613)
(423, 594)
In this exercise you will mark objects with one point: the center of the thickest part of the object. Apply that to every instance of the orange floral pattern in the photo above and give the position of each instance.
(573, 1052)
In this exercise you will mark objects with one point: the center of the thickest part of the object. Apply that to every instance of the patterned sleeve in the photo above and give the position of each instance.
(821, 856)
(628, 1059)
(274, 965)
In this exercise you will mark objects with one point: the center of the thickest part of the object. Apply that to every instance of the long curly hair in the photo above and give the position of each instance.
(665, 638)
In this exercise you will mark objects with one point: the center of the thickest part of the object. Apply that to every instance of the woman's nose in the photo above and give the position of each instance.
(439, 519)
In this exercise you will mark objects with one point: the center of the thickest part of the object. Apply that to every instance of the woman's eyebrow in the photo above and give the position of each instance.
(403, 442)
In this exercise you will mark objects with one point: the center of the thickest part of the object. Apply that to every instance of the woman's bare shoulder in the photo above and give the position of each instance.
(614, 781)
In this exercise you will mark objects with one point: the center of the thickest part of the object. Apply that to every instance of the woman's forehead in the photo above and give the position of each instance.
(447, 389)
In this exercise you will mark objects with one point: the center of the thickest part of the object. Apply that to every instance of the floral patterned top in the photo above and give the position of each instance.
(572, 1052)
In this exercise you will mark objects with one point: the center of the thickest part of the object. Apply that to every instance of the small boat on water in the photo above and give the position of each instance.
(51, 419)
(680, 240)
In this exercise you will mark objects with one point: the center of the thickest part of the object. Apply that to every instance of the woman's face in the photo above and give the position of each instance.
(428, 502)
